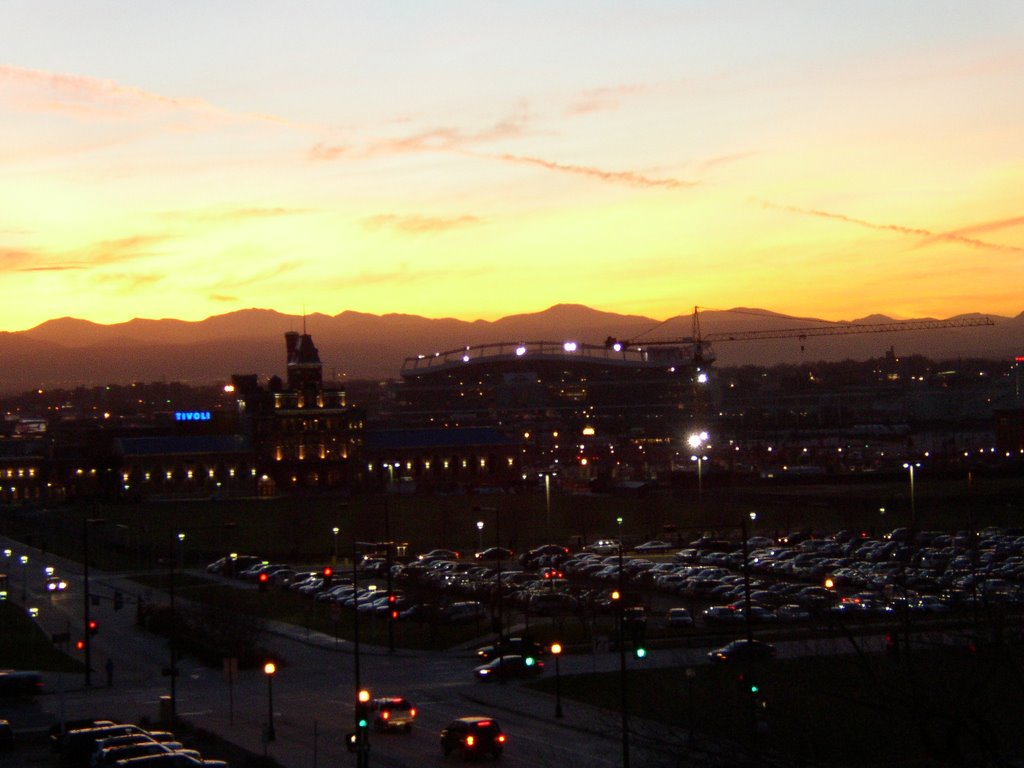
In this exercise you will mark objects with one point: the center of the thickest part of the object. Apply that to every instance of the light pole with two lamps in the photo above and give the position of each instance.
(909, 466)
(696, 442)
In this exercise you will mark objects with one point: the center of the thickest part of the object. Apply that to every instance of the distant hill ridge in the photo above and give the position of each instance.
(68, 352)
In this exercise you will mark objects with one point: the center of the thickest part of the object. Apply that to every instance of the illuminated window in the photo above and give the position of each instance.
(169, 474)
(483, 463)
(211, 474)
(188, 474)
(231, 472)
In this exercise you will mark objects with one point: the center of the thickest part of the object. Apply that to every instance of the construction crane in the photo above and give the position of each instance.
(703, 354)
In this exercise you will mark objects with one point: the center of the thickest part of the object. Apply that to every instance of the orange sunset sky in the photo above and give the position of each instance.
(478, 159)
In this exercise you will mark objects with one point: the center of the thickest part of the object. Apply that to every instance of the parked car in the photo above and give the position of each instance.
(473, 737)
(679, 617)
(603, 547)
(654, 546)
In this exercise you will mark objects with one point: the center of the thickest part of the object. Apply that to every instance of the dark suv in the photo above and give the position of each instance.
(473, 736)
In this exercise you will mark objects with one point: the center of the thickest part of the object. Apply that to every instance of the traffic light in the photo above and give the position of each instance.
(640, 651)
(94, 627)
(362, 718)
(264, 582)
(80, 645)
(328, 575)
(393, 607)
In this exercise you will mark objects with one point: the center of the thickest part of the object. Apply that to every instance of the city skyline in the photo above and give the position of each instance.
(477, 161)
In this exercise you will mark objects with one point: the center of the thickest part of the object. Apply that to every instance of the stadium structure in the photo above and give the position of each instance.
(571, 403)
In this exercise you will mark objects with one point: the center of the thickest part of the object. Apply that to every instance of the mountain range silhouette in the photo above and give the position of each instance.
(69, 352)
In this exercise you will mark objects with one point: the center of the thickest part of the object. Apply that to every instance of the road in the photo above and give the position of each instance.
(313, 690)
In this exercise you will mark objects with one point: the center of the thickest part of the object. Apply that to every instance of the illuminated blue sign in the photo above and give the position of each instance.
(191, 415)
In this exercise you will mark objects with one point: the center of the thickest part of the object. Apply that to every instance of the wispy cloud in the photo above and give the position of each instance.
(122, 249)
(603, 99)
(631, 178)
(89, 97)
(418, 224)
(930, 237)
(126, 283)
(987, 226)
(102, 253)
(446, 138)
(324, 151)
(227, 214)
(721, 160)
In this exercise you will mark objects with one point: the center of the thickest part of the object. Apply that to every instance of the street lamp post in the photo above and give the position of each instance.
(334, 559)
(499, 623)
(547, 504)
(479, 535)
(87, 599)
(909, 466)
(172, 637)
(700, 475)
(556, 651)
(269, 669)
(621, 616)
(746, 577)
(696, 442)
(24, 579)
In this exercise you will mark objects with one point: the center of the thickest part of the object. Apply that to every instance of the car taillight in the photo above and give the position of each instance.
(385, 715)
(412, 712)
(470, 740)
(501, 738)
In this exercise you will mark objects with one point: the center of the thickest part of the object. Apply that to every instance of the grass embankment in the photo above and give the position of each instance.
(937, 706)
(24, 645)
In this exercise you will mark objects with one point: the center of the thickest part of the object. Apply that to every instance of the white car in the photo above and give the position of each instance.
(603, 547)
(654, 546)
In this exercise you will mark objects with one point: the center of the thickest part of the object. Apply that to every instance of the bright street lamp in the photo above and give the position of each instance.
(336, 530)
(480, 535)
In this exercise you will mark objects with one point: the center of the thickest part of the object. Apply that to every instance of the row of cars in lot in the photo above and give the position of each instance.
(923, 572)
(103, 743)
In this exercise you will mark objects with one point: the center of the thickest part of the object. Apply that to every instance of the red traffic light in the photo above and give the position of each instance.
(93, 627)
(80, 645)
(328, 572)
